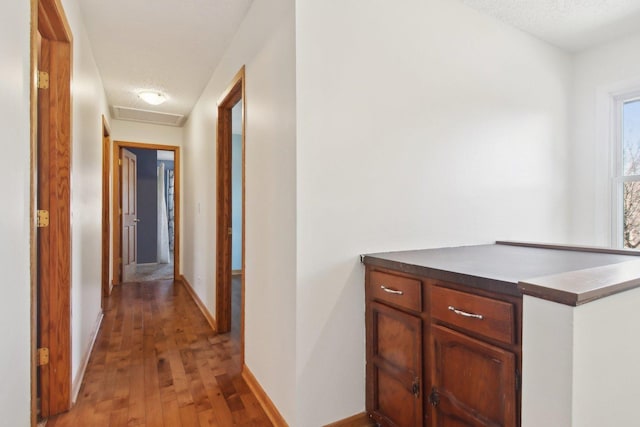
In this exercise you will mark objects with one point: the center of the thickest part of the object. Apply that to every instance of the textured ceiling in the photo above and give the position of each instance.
(169, 45)
(174, 46)
(572, 25)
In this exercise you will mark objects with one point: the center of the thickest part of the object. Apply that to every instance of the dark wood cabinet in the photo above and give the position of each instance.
(440, 354)
(473, 383)
(396, 366)
(444, 333)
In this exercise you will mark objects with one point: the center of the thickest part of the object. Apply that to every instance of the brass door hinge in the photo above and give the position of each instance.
(43, 218)
(43, 80)
(43, 356)
(119, 162)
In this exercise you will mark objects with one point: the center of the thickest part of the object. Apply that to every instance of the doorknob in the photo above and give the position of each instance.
(136, 220)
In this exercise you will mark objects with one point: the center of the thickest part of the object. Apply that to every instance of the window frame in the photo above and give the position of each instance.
(617, 162)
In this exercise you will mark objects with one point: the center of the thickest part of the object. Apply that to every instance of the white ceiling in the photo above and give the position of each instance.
(175, 45)
(572, 25)
(169, 45)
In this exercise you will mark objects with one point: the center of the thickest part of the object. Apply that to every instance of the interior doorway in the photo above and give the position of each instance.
(154, 220)
(237, 215)
(146, 213)
(51, 53)
(230, 240)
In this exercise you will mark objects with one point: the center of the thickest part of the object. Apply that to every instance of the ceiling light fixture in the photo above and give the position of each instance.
(152, 97)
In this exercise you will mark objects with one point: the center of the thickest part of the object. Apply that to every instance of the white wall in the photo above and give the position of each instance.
(599, 72)
(88, 106)
(579, 370)
(122, 130)
(419, 124)
(15, 325)
(547, 363)
(606, 374)
(265, 44)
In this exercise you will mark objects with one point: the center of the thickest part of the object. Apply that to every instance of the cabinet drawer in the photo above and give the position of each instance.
(486, 316)
(397, 290)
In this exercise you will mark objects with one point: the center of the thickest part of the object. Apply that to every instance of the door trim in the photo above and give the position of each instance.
(116, 228)
(33, 230)
(48, 20)
(106, 208)
(234, 93)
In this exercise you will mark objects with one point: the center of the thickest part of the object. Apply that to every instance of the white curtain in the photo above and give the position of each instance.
(170, 210)
(163, 222)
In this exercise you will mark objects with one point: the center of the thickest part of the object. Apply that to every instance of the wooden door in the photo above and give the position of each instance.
(52, 48)
(129, 212)
(394, 395)
(53, 181)
(473, 383)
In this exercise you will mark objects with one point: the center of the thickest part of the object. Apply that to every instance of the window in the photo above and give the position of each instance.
(627, 182)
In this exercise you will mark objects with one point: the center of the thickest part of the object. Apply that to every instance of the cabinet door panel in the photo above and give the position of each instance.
(475, 381)
(395, 403)
(394, 396)
(397, 338)
(449, 415)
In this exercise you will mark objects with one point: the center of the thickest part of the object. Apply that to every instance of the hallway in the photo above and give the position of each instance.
(156, 362)
(153, 272)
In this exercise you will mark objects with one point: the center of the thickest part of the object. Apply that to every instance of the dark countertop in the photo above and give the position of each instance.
(568, 275)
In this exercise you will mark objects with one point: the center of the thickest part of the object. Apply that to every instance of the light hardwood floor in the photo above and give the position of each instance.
(156, 362)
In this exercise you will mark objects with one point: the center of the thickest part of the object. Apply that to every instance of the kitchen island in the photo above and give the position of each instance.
(506, 334)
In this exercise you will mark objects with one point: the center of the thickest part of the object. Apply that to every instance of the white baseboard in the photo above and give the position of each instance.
(203, 308)
(263, 398)
(77, 382)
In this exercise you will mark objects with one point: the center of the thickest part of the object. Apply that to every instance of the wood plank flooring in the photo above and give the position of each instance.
(156, 362)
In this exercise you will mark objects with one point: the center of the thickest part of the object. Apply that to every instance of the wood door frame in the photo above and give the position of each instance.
(106, 209)
(48, 21)
(116, 223)
(234, 93)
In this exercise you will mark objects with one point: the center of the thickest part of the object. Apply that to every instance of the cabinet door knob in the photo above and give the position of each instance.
(415, 387)
(391, 291)
(434, 397)
(465, 314)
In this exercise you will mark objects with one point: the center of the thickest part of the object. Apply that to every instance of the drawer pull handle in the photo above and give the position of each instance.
(465, 314)
(391, 291)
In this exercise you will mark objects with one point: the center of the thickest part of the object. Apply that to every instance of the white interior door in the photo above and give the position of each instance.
(129, 214)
